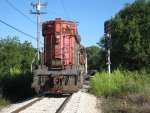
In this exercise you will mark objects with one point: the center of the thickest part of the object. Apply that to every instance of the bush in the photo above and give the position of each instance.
(16, 87)
(118, 83)
(3, 101)
(16, 58)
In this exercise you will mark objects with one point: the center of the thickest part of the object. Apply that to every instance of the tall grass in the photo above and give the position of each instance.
(15, 87)
(118, 83)
(2, 101)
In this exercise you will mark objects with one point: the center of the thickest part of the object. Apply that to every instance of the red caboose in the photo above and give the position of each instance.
(64, 59)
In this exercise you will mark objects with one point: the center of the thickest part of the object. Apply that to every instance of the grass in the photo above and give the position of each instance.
(130, 103)
(117, 83)
(123, 91)
(15, 87)
(3, 102)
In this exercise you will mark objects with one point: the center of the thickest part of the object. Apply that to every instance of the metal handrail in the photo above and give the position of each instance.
(33, 61)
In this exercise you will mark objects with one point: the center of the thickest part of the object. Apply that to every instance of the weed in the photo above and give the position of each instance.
(3, 102)
(16, 87)
(124, 91)
(117, 83)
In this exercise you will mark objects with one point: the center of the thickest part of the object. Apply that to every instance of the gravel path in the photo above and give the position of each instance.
(80, 102)
(46, 105)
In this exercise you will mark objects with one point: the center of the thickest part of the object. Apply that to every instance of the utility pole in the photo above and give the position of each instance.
(107, 30)
(38, 12)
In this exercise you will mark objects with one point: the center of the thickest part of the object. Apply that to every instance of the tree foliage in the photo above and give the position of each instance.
(95, 57)
(15, 57)
(131, 36)
(15, 61)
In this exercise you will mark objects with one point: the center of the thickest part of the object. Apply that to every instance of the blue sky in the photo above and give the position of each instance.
(90, 14)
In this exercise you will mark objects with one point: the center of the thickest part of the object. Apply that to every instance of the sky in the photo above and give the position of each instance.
(91, 15)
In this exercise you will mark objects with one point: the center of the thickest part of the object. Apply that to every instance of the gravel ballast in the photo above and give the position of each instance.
(10, 108)
(46, 105)
(80, 102)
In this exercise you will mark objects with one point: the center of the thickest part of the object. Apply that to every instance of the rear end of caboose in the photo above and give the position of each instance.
(64, 62)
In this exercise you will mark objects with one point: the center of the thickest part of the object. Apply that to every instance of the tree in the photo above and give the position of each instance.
(130, 29)
(95, 58)
(27, 52)
(14, 56)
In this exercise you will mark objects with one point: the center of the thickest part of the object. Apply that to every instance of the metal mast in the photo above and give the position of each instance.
(38, 12)
(108, 43)
(108, 56)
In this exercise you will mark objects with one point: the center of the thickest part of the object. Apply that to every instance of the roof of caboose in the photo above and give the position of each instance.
(62, 21)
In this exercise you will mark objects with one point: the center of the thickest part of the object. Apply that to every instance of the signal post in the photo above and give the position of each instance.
(107, 31)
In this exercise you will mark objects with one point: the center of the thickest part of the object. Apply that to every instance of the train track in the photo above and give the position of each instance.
(59, 110)
(28, 105)
(64, 104)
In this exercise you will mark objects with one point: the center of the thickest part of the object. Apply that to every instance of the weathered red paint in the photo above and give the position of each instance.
(59, 40)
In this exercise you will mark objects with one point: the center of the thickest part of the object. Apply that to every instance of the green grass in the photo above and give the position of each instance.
(15, 87)
(118, 83)
(3, 102)
(123, 91)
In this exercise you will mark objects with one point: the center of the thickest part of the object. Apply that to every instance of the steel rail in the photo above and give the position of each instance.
(28, 105)
(63, 105)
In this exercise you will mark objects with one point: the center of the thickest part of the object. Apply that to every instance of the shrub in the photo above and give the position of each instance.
(117, 83)
(16, 87)
(2, 101)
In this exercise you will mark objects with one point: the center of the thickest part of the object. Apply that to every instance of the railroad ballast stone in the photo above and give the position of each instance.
(80, 102)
